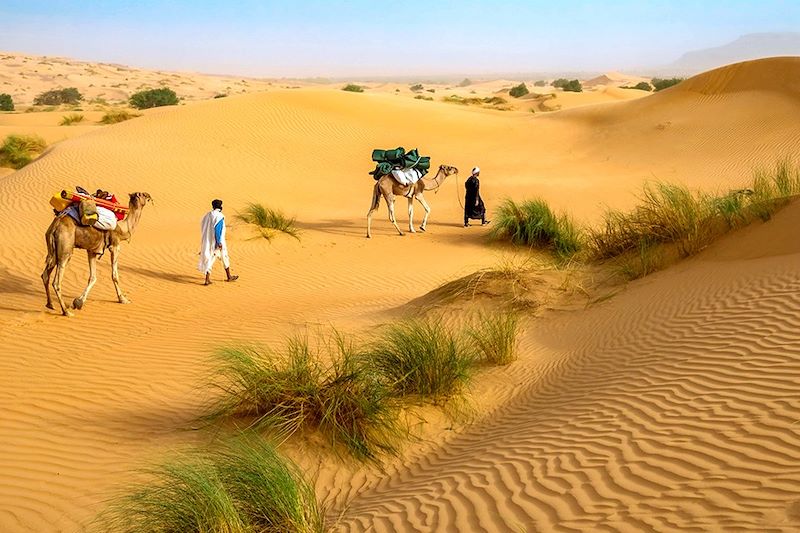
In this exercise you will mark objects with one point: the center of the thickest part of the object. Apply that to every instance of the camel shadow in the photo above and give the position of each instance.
(13, 284)
(344, 227)
(166, 276)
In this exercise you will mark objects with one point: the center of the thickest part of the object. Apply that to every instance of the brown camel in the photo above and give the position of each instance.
(64, 235)
(388, 187)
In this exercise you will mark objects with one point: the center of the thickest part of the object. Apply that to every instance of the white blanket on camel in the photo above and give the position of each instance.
(406, 176)
(209, 252)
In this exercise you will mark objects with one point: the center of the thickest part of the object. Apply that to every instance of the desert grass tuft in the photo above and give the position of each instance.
(243, 487)
(116, 116)
(72, 118)
(293, 389)
(269, 221)
(533, 223)
(494, 337)
(422, 359)
(19, 150)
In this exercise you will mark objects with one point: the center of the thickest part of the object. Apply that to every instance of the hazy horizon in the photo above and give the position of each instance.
(398, 39)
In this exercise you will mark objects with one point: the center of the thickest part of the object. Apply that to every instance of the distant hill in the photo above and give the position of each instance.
(746, 47)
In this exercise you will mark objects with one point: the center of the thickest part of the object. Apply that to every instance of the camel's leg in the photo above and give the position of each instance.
(78, 302)
(48, 269)
(376, 202)
(427, 211)
(411, 215)
(61, 267)
(114, 251)
(392, 218)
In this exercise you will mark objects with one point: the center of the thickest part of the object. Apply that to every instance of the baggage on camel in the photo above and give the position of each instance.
(389, 161)
(100, 212)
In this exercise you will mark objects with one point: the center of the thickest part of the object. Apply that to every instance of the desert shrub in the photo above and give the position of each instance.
(573, 86)
(422, 359)
(417, 88)
(539, 83)
(430, 90)
(73, 118)
(560, 82)
(293, 389)
(533, 223)
(242, 487)
(6, 102)
(494, 100)
(70, 95)
(466, 82)
(150, 98)
(269, 221)
(494, 338)
(666, 214)
(663, 83)
(518, 90)
(643, 86)
(120, 115)
(353, 88)
(423, 97)
(19, 150)
(221, 95)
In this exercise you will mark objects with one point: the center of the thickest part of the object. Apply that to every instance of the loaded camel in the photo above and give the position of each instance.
(64, 235)
(388, 187)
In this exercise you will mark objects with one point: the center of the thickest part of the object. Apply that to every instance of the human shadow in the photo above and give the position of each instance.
(172, 277)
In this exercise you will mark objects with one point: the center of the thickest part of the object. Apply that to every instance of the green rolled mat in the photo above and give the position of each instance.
(378, 155)
(394, 155)
(424, 163)
(382, 169)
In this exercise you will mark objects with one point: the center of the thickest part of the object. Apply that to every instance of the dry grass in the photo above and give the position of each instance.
(269, 221)
(19, 150)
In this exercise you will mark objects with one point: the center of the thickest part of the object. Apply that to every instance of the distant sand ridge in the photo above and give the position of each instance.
(670, 407)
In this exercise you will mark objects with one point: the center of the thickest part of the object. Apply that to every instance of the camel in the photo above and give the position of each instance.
(388, 187)
(64, 235)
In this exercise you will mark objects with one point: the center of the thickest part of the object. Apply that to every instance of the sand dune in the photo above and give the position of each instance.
(670, 406)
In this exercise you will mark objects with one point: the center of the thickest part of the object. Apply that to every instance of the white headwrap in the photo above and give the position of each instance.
(476, 170)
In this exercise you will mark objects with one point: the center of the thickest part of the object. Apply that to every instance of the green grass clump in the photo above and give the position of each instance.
(292, 390)
(353, 88)
(666, 214)
(422, 359)
(494, 338)
(19, 150)
(116, 116)
(245, 487)
(269, 221)
(518, 90)
(423, 97)
(659, 84)
(72, 118)
(533, 223)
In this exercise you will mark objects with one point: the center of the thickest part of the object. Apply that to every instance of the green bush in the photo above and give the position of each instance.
(643, 86)
(573, 86)
(269, 221)
(113, 117)
(423, 97)
(244, 487)
(353, 88)
(70, 95)
(560, 82)
(291, 390)
(422, 359)
(518, 90)
(663, 83)
(150, 98)
(417, 88)
(19, 150)
(539, 83)
(495, 338)
(533, 223)
(73, 118)
(6, 102)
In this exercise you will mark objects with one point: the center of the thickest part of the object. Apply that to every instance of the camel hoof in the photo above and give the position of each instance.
(369, 236)
(49, 305)
(422, 228)
(77, 303)
(124, 300)
(67, 313)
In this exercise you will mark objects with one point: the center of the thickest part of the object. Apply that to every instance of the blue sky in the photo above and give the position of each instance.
(362, 38)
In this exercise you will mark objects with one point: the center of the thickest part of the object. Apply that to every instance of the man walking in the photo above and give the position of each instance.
(212, 243)
(473, 203)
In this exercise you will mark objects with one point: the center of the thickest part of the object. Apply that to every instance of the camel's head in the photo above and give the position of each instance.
(448, 170)
(139, 199)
